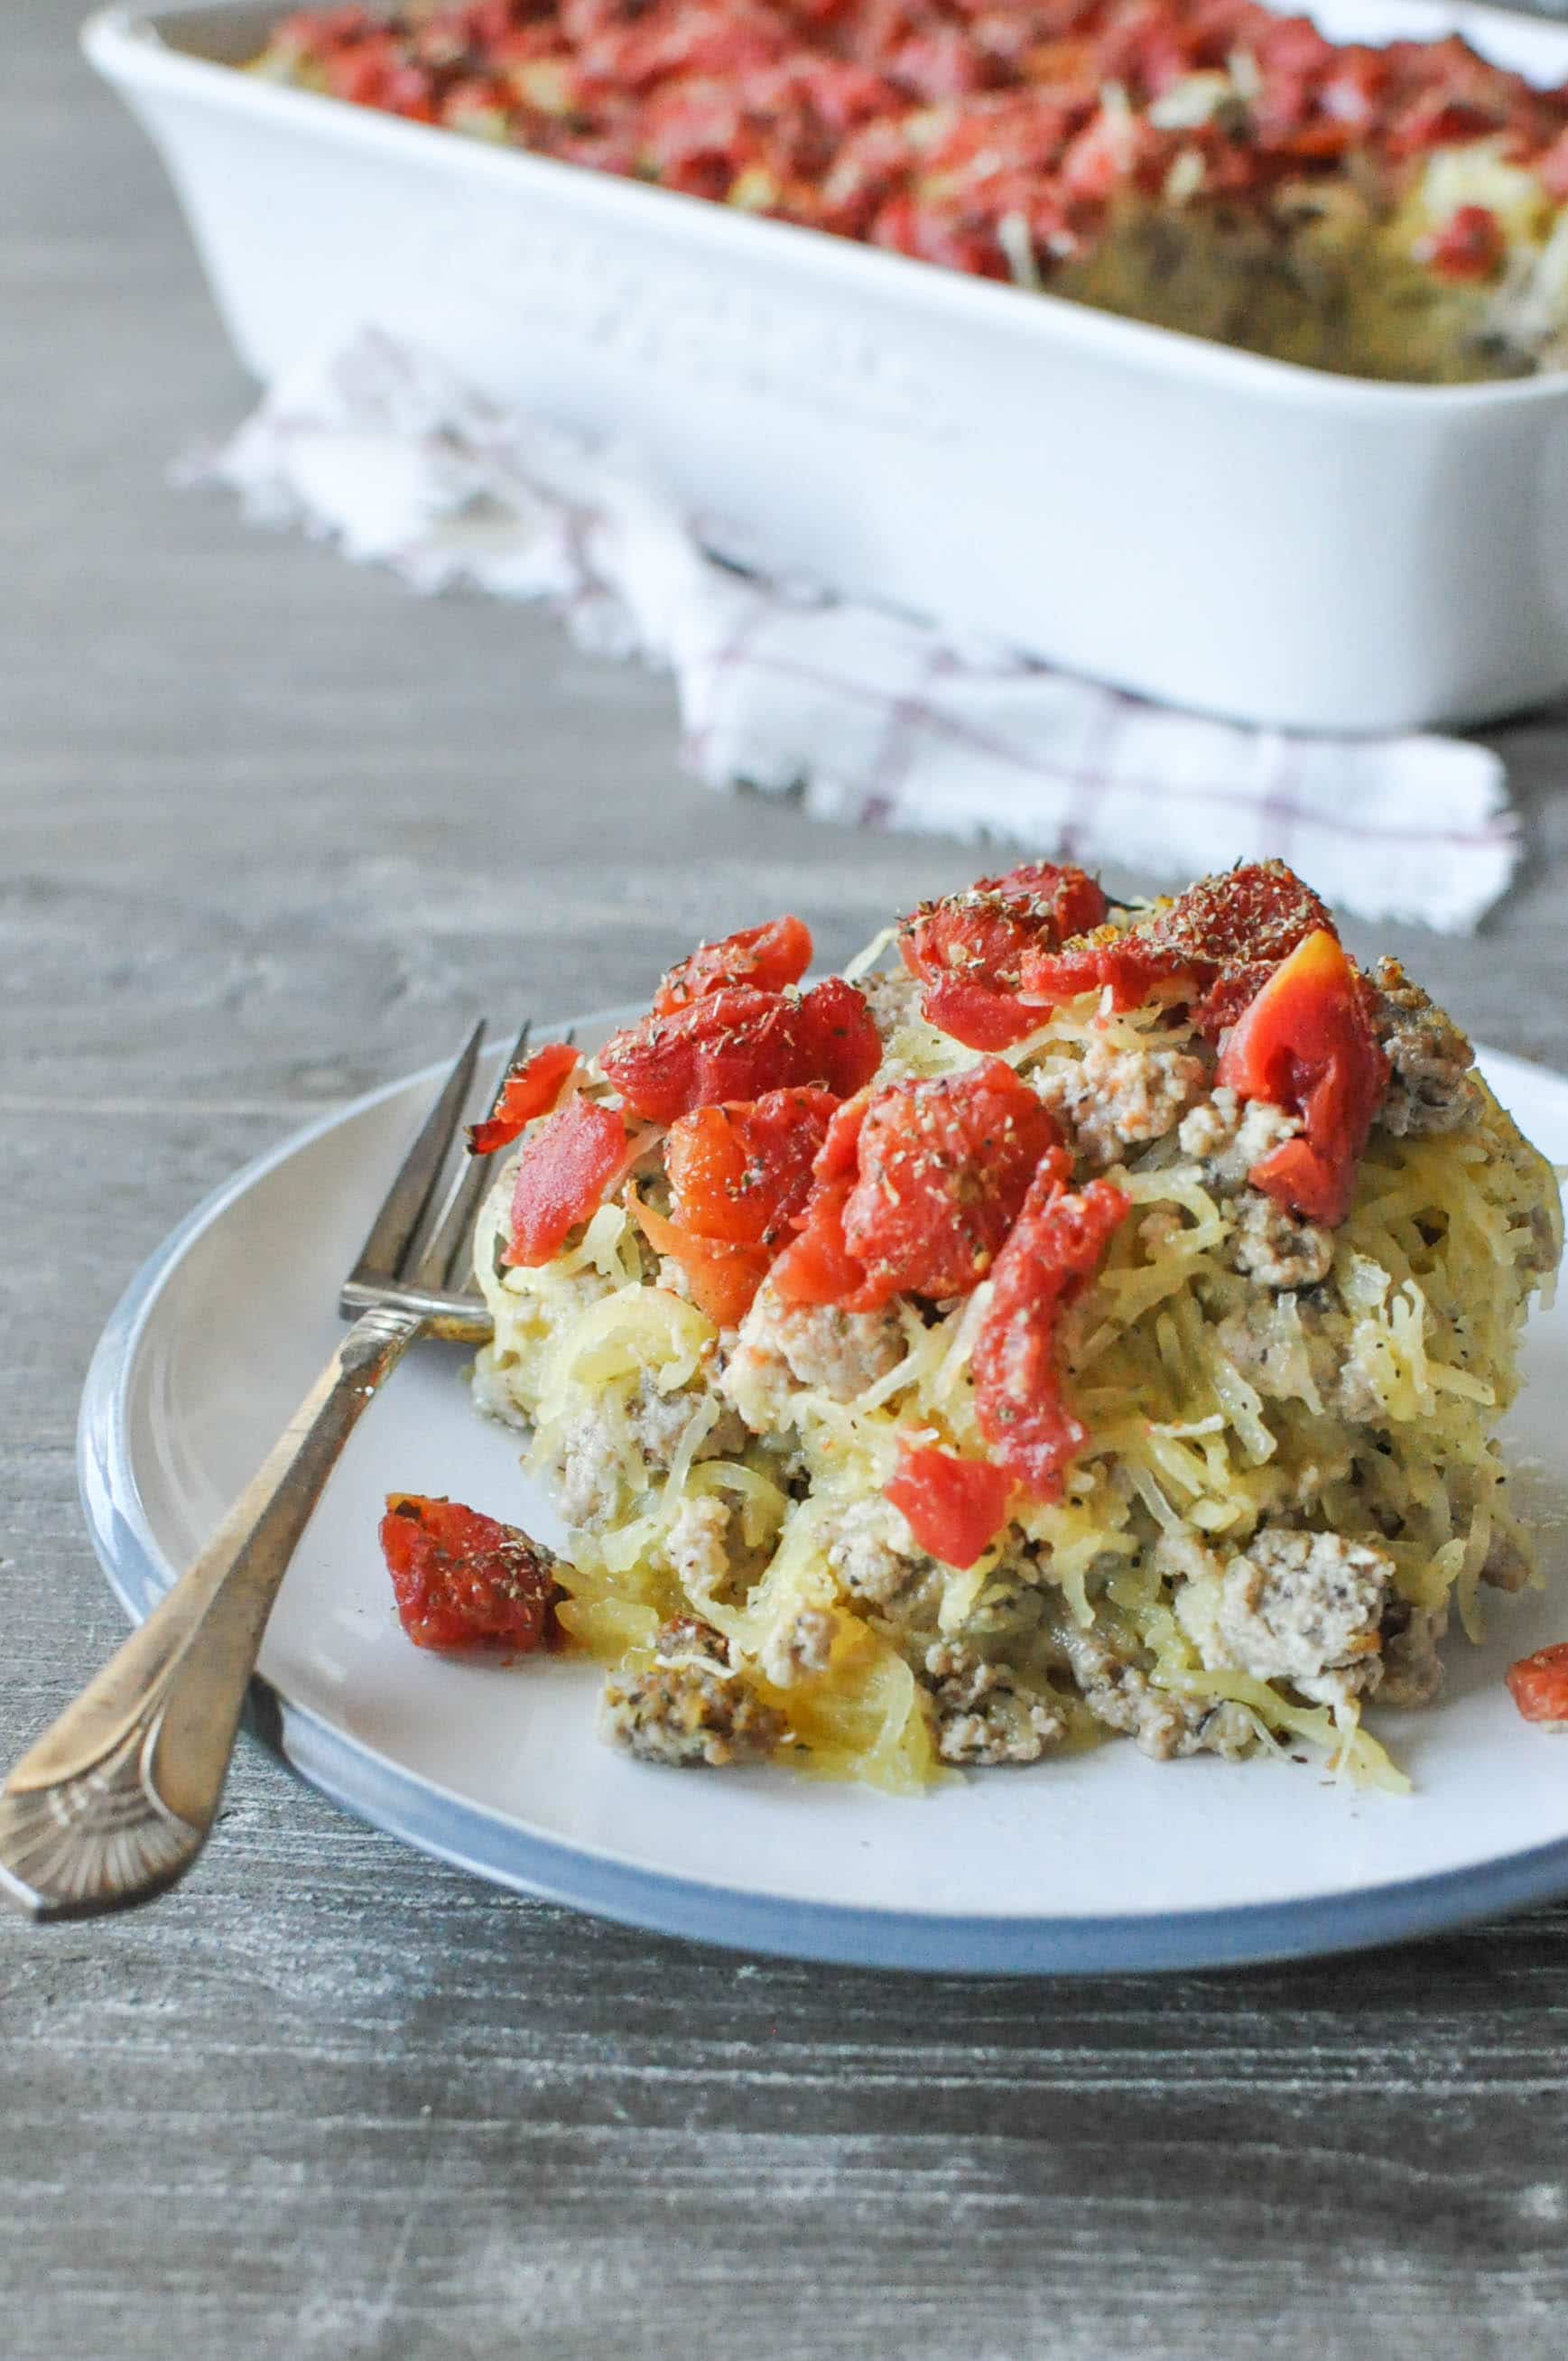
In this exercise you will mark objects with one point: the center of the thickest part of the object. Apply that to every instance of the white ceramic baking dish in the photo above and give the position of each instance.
(1195, 524)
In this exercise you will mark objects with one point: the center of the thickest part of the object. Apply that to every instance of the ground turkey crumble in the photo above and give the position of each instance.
(588, 1459)
(1294, 1350)
(691, 1706)
(1431, 1087)
(1302, 1607)
(1227, 1136)
(892, 996)
(1112, 1100)
(1276, 1246)
(982, 1717)
(697, 1544)
(1412, 1669)
(1121, 1697)
(801, 1649)
(781, 1346)
(873, 1553)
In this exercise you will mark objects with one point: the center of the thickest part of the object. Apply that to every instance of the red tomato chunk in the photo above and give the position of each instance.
(838, 1042)
(973, 951)
(530, 1090)
(768, 958)
(740, 1172)
(1260, 911)
(1538, 1685)
(734, 1043)
(723, 1279)
(914, 1189)
(463, 1580)
(1306, 1043)
(1216, 945)
(1470, 245)
(818, 1267)
(563, 1174)
(1111, 959)
(1055, 1250)
(739, 1043)
(954, 1508)
(941, 1170)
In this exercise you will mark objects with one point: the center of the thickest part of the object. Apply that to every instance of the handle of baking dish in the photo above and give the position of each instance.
(114, 1803)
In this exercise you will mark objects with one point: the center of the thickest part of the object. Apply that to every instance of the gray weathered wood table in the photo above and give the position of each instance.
(271, 830)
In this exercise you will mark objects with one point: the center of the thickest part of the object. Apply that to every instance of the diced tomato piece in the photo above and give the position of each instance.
(1221, 940)
(943, 1169)
(915, 1188)
(723, 1278)
(973, 951)
(740, 1043)
(981, 1015)
(1059, 898)
(839, 1042)
(954, 1508)
(530, 1090)
(838, 1156)
(1538, 1684)
(970, 963)
(1470, 244)
(463, 1580)
(1306, 1043)
(562, 1176)
(818, 1267)
(734, 1043)
(767, 957)
(1055, 1249)
(1260, 911)
(1228, 997)
(1437, 119)
(984, 933)
(1110, 958)
(940, 1169)
(740, 1172)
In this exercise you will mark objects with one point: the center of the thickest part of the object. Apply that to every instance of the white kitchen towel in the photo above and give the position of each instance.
(869, 719)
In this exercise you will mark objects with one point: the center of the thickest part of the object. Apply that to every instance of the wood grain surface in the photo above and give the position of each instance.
(273, 829)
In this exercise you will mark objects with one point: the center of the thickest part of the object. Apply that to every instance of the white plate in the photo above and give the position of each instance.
(1103, 1862)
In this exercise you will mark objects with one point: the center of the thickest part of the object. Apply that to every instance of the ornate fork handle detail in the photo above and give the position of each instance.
(114, 1801)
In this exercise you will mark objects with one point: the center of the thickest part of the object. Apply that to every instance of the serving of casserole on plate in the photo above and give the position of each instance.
(1093, 1322)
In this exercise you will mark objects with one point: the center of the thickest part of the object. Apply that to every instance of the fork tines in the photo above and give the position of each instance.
(418, 1242)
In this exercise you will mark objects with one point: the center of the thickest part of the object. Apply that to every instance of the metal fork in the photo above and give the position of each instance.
(116, 1800)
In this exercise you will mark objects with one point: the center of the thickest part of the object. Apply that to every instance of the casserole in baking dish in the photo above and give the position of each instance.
(1208, 165)
(1230, 532)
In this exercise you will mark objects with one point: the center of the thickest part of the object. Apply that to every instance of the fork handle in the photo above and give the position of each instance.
(112, 1804)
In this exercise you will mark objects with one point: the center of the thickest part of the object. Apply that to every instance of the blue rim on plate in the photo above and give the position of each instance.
(435, 1822)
